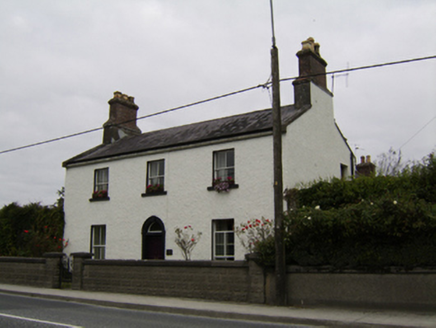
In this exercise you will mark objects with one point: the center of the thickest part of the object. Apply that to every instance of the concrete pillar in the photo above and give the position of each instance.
(78, 259)
(256, 280)
(53, 262)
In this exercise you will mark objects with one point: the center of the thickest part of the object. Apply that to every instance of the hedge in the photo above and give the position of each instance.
(366, 224)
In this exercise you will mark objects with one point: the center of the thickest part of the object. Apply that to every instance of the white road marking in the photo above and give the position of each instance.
(39, 321)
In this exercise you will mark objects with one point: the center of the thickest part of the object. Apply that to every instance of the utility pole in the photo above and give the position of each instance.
(280, 264)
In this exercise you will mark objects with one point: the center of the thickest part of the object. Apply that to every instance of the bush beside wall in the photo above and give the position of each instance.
(369, 223)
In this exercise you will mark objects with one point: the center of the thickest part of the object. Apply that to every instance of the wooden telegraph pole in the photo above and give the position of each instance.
(280, 264)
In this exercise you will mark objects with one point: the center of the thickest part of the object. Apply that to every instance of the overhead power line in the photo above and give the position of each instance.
(265, 85)
(425, 125)
(352, 69)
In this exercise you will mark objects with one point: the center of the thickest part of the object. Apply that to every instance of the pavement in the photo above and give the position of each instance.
(318, 316)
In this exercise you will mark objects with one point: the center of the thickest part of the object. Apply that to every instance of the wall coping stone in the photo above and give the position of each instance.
(22, 259)
(331, 270)
(53, 255)
(168, 263)
(83, 255)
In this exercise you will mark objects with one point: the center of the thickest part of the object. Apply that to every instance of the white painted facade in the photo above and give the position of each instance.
(312, 148)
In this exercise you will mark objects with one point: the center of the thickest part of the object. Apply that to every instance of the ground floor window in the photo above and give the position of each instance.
(98, 241)
(223, 243)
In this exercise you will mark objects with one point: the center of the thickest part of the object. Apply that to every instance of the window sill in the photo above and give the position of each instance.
(99, 199)
(159, 193)
(233, 186)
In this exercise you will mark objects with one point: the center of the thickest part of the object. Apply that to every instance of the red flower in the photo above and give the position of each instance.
(192, 239)
(26, 231)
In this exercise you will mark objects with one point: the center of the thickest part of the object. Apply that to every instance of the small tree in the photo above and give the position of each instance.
(186, 240)
(390, 163)
(254, 231)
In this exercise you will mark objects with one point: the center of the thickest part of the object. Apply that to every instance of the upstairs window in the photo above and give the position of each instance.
(156, 177)
(344, 171)
(101, 184)
(224, 165)
(98, 241)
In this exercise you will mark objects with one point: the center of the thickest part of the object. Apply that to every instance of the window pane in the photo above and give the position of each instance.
(230, 250)
(161, 168)
(103, 235)
(230, 238)
(219, 238)
(152, 169)
(156, 173)
(154, 227)
(224, 239)
(224, 162)
(98, 241)
(230, 158)
(101, 179)
(220, 159)
(219, 250)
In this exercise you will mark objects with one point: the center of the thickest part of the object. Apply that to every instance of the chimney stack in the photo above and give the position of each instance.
(365, 168)
(122, 118)
(311, 69)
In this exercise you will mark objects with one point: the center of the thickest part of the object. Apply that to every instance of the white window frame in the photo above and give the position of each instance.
(222, 164)
(228, 240)
(101, 179)
(98, 241)
(344, 171)
(156, 177)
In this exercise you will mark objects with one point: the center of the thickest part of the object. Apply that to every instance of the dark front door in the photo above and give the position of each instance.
(153, 239)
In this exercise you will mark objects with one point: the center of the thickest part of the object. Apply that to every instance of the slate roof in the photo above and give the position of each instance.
(222, 128)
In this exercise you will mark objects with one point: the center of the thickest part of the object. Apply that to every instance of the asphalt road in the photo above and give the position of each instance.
(23, 312)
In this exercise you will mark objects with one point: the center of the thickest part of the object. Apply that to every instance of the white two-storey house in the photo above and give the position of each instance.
(125, 197)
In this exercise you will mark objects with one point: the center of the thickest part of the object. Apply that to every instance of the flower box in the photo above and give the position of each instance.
(155, 189)
(223, 185)
(99, 194)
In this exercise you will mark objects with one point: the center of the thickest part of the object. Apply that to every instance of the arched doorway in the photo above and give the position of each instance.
(153, 239)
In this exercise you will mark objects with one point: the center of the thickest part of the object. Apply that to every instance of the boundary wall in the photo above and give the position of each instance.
(37, 272)
(398, 289)
(238, 281)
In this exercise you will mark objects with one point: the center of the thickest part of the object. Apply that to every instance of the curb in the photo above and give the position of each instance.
(204, 312)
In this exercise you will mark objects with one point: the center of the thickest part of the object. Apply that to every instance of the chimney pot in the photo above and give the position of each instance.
(362, 159)
(368, 159)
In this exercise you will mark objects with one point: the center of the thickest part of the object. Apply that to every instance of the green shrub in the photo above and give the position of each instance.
(31, 230)
(368, 223)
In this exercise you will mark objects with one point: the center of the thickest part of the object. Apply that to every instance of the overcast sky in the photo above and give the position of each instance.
(61, 61)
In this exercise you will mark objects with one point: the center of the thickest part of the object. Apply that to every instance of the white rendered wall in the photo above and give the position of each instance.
(188, 173)
(313, 148)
